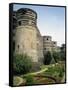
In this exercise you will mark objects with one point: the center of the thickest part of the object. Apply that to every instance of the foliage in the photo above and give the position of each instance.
(21, 64)
(29, 79)
(55, 70)
(56, 56)
(48, 58)
(62, 55)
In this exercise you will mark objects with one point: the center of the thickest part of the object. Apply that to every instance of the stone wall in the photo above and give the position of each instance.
(49, 45)
(27, 37)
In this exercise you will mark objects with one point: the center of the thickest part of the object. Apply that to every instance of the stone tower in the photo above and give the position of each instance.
(47, 40)
(49, 45)
(26, 39)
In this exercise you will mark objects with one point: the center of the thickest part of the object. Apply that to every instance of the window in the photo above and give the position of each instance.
(47, 38)
(19, 22)
(18, 46)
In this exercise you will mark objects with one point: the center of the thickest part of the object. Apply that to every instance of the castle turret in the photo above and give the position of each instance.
(26, 16)
(47, 43)
(26, 33)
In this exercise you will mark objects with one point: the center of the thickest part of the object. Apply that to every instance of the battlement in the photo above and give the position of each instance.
(47, 38)
(26, 16)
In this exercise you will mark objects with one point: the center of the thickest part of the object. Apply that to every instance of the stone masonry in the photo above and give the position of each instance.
(27, 38)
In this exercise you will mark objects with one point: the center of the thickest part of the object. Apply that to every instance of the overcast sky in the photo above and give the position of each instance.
(50, 21)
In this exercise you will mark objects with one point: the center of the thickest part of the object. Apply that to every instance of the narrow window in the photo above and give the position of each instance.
(18, 46)
(20, 23)
(47, 38)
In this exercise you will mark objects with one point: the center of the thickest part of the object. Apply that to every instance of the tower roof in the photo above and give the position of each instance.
(26, 10)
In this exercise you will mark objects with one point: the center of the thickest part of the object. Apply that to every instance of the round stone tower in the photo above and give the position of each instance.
(26, 35)
(47, 43)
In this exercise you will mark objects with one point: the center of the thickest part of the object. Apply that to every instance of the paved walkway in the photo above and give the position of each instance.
(21, 80)
(38, 72)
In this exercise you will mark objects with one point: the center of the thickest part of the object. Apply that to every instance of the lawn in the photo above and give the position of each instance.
(48, 74)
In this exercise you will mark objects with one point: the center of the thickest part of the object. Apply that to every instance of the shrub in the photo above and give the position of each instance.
(48, 58)
(56, 56)
(63, 56)
(29, 79)
(21, 64)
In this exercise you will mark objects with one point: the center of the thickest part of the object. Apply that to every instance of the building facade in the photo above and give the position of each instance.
(27, 38)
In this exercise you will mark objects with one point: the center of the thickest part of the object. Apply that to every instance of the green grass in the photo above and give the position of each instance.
(54, 70)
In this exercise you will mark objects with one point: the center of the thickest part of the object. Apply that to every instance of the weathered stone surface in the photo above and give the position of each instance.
(27, 36)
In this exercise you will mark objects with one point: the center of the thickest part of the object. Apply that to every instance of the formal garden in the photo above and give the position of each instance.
(26, 72)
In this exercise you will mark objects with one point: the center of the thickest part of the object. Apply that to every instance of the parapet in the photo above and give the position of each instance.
(47, 38)
(26, 16)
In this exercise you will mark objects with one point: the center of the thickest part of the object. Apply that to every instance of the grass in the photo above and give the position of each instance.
(54, 70)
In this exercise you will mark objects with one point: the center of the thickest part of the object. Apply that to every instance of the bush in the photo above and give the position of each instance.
(48, 58)
(29, 79)
(56, 56)
(63, 56)
(55, 71)
(21, 64)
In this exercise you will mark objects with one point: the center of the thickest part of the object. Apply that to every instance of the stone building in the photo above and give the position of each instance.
(27, 38)
(49, 45)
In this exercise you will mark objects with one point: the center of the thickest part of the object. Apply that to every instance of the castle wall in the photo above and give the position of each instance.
(26, 41)
(27, 36)
(49, 45)
(39, 46)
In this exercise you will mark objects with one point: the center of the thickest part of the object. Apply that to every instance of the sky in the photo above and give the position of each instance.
(50, 21)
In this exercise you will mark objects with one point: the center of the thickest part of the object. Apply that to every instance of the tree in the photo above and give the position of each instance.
(63, 56)
(48, 58)
(21, 64)
(56, 56)
(63, 52)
